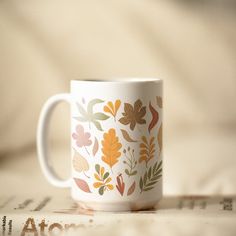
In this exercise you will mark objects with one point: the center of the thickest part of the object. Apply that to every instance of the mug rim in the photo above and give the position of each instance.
(119, 80)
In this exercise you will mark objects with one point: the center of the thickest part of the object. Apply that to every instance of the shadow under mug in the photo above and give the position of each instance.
(116, 143)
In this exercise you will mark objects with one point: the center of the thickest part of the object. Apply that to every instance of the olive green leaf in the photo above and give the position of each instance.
(89, 116)
(101, 190)
(97, 168)
(150, 177)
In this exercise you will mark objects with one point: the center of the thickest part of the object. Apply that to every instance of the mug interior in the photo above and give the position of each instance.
(119, 80)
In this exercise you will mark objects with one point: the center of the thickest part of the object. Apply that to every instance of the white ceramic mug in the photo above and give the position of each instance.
(116, 143)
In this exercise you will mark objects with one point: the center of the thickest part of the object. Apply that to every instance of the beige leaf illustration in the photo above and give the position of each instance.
(127, 136)
(159, 101)
(95, 146)
(80, 164)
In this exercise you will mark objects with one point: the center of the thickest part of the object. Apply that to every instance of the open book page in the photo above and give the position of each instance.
(21, 215)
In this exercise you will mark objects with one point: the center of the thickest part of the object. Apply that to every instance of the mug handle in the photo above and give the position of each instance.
(42, 140)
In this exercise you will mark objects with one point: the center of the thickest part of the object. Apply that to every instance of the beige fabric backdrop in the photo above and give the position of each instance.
(44, 44)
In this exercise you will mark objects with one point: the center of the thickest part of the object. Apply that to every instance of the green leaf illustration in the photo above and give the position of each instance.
(134, 173)
(105, 175)
(89, 115)
(91, 104)
(81, 110)
(150, 177)
(81, 119)
(101, 190)
(130, 162)
(98, 125)
(100, 116)
(141, 183)
(97, 168)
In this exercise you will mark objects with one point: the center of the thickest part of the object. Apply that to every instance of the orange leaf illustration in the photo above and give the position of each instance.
(147, 150)
(155, 117)
(159, 138)
(82, 185)
(112, 108)
(111, 147)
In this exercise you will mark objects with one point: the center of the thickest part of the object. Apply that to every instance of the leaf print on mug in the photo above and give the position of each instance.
(130, 162)
(112, 108)
(159, 138)
(155, 117)
(131, 189)
(151, 177)
(120, 186)
(110, 148)
(80, 164)
(147, 150)
(127, 137)
(159, 101)
(82, 138)
(89, 115)
(133, 115)
(102, 180)
(82, 185)
(95, 146)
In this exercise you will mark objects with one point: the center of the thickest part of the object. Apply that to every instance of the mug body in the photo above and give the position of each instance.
(116, 143)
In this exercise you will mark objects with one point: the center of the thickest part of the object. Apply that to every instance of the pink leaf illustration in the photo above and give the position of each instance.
(82, 185)
(95, 146)
(131, 189)
(82, 138)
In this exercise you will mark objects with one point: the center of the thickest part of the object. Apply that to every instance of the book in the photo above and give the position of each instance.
(60, 215)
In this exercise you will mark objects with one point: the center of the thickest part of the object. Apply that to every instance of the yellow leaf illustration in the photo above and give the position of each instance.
(117, 105)
(110, 187)
(102, 171)
(111, 147)
(102, 180)
(97, 177)
(108, 180)
(112, 108)
(97, 184)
